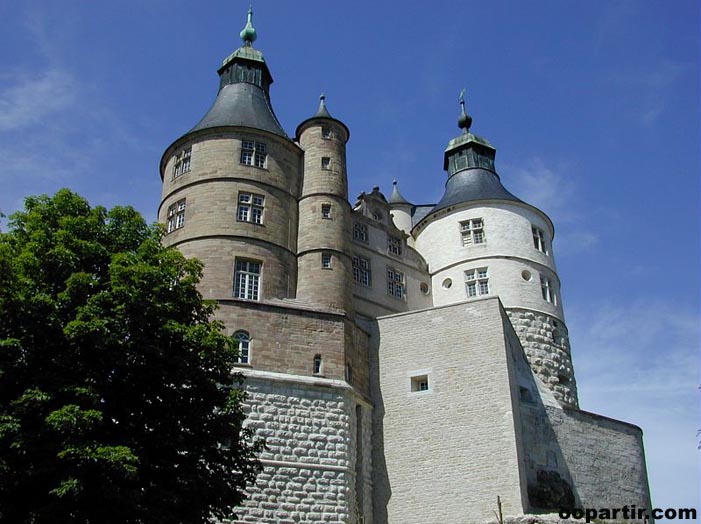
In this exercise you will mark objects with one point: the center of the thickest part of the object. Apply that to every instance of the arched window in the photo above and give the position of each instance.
(243, 341)
(317, 364)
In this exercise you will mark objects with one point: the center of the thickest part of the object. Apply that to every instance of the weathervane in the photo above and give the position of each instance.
(465, 120)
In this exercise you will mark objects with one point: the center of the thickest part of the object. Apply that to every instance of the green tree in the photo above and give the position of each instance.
(117, 399)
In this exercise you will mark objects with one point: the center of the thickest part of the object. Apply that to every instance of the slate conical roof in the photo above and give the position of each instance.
(396, 197)
(469, 160)
(243, 99)
(321, 113)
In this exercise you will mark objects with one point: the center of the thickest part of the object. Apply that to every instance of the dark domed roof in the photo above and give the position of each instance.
(473, 184)
(241, 104)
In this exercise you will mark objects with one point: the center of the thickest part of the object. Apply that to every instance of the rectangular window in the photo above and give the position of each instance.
(419, 383)
(325, 163)
(360, 232)
(182, 162)
(394, 246)
(361, 270)
(539, 239)
(326, 133)
(253, 153)
(247, 279)
(325, 210)
(472, 232)
(547, 289)
(176, 215)
(395, 283)
(477, 282)
(243, 340)
(326, 260)
(250, 208)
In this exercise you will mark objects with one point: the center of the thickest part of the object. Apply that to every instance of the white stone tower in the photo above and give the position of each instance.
(482, 240)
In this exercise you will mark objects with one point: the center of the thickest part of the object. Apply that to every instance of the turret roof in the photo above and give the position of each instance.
(243, 98)
(396, 197)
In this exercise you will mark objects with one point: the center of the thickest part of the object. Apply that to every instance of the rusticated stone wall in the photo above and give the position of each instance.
(547, 346)
(317, 461)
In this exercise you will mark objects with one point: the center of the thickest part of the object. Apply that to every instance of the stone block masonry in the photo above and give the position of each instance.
(546, 343)
(444, 454)
(316, 469)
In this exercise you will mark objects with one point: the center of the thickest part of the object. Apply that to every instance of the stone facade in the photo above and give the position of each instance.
(445, 453)
(387, 386)
(547, 346)
(316, 469)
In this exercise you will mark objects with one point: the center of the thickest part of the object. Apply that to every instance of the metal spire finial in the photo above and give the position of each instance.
(322, 111)
(248, 33)
(465, 120)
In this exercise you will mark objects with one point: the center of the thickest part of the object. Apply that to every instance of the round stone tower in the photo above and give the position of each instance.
(482, 240)
(230, 187)
(324, 264)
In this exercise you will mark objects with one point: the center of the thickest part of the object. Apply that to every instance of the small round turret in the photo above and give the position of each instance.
(323, 260)
(400, 209)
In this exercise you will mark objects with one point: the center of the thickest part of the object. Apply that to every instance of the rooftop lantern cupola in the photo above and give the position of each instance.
(246, 64)
(468, 150)
(469, 161)
(243, 99)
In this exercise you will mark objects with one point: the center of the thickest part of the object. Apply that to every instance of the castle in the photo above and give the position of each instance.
(404, 362)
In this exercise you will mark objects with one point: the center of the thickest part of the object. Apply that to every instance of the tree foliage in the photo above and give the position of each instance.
(117, 400)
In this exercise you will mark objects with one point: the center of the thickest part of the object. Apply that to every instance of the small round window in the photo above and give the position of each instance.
(424, 288)
(447, 283)
(526, 275)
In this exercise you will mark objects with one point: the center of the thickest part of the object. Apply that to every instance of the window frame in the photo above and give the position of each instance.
(477, 282)
(250, 208)
(362, 272)
(547, 289)
(396, 283)
(326, 260)
(247, 283)
(359, 228)
(394, 245)
(176, 215)
(254, 154)
(326, 211)
(244, 356)
(472, 232)
(539, 242)
(182, 162)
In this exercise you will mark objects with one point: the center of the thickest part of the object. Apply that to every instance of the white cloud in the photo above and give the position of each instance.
(549, 188)
(29, 101)
(646, 89)
(639, 362)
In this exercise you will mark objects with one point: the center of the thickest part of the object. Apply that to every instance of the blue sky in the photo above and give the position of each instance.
(593, 108)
